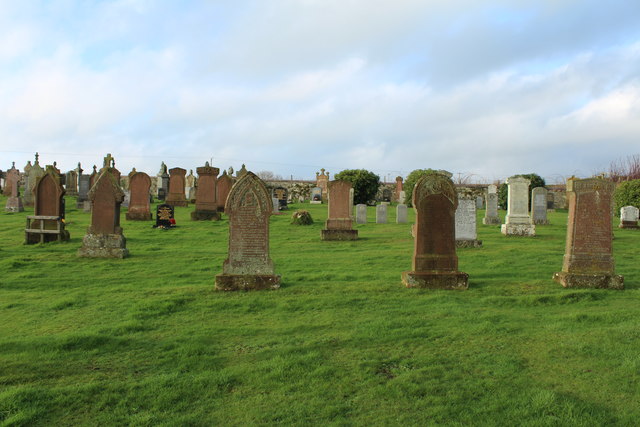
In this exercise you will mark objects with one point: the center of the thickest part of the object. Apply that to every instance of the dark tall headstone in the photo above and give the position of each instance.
(48, 201)
(248, 266)
(139, 187)
(14, 202)
(223, 187)
(176, 196)
(206, 206)
(588, 257)
(339, 223)
(11, 175)
(435, 263)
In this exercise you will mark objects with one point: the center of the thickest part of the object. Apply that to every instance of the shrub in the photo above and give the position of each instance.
(410, 182)
(301, 217)
(365, 184)
(536, 181)
(627, 194)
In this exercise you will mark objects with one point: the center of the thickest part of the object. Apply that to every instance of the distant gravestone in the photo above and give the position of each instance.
(539, 206)
(491, 202)
(282, 194)
(479, 202)
(276, 205)
(403, 197)
(162, 180)
(588, 258)
(164, 216)
(71, 183)
(361, 214)
(206, 205)
(381, 214)
(248, 266)
(104, 238)
(518, 222)
(176, 196)
(35, 173)
(316, 195)
(190, 185)
(127, 198)
(83, 190)
(11, 175)
(48, 201)
(339, 224)
(399, 192)
(223, 187)
(401, 214)
(629, 217)
(435, 263)
(139, 189)
(466, 230)
(322, 181)
(14, 202)
(351, 196)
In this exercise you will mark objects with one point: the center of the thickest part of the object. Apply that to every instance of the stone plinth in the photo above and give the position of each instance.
(518, 222)
(339, 224)
(436, 280)
(588, 259)
(103, 246)
(14, 204)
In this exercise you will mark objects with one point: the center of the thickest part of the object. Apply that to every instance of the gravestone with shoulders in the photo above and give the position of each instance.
(176, 196)
(491, 202)
(466, 230)
(206, 205)
(518, 222)
(539, 206)
(339, 224)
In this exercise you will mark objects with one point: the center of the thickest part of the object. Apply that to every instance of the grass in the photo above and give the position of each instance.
(147, 341)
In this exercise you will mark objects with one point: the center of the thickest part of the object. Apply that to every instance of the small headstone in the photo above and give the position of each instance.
(316, 195)
(381, 214)
(176, 196)
(588, 258)
(139, 189)
(223, 187)
(339, 224)
(466, 230)
(386, 195)
(282, 194)
(248, 266)
(518, 222)
(479, 202)
(401, 214)
(276, 205)
(71, 183)
(628, 217)
(206, 205)
(164, 216)
(351, 195)
(361, 214)
(14, 202)
(491, 214)
(48, 197)
(435, 263)
(539, 206)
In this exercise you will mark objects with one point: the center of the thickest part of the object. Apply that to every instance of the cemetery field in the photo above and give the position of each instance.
(147, 341)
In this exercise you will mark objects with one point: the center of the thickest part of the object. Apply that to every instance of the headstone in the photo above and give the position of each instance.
(401, 214)
(466, 230)
(316, 195)
(339, 225)
(14, 202)
(164, 216)
(588, 257)
(435, 263)
(629, 217)
(403, 197)
(139, 188)
(491, 213)
(71, 183)
(176, 196)
(11, 175)
(479, 202)
(539, 206)
(361, 213)
(104, 238)
(381, 214)
(351, 195)
(48, 200)
(92, 178)
(223, 187)
(248, 266)
(518, 222)
(35, 173)
(322, 181)
(276, 206)
(127, 198)
(162, 182)
(282, 194)
(190, 185)
(399, 192)
(206, 205)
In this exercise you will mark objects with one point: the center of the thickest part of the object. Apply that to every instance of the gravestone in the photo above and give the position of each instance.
(381, 214)
(176, 196)
(491, 213)
(322, 181)
(71, 183)
(518, 222)
(139, 189)
(435, 263)
(316, 196)
(190, 185)
(223, 187)
(35, 173)
(206, 205)
(92, 178)
(629, 217)
(164, 216)
(401, 214)
(162, 180)
(351, 195)
(539, 206)
(339, 225)
(282, 194)
(242, 171)
(248, 266)
(14, 202)
(276, 206)
(361, 213)
(48, 200)
(399, 191)
(479, 202)
(11, 175)
(104, 238)
(588, 257)
(465, 217)
(403, 197)
(127, 198)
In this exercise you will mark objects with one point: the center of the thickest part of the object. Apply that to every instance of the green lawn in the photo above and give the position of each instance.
(147, 341)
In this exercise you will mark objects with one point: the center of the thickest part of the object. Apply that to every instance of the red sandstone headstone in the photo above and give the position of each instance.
(435, 263)
(223, 187)
(398, 189)
(139, 187)
(248, 266)
(176, 195)
(104, 238)
(206, 206)
(48, 196)
(14, 201)
(588, 258)
(339, 223)
(11, 175)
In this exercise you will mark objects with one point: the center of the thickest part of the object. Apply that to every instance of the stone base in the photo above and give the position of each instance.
(528, 230)
(491, 221)
(541, 222)
(205, 216)
(316, 202)
(246, 282)
(468, 243)
(14, 204)
(103, 246)
(139, 216)
(602, 281)
(174, 203)
(339, 235)
(435, 280)
(629, 225)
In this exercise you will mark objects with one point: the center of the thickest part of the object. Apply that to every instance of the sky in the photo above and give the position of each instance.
(483, 89)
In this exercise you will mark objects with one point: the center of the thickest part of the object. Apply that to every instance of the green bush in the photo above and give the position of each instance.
(365, 184)
(627, 194)
(410, 182)
(301, 217)
(536, 181)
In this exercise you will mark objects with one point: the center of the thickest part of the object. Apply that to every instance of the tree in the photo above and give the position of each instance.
(411, 181)
(268, 176)
(627, 194)
(365, 184)
(536, 181)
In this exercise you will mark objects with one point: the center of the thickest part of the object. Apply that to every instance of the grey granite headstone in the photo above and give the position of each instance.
(491, 213)
(381, 214)
(539, 206)
(401, 214)
(465, 219)
(361, 214)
